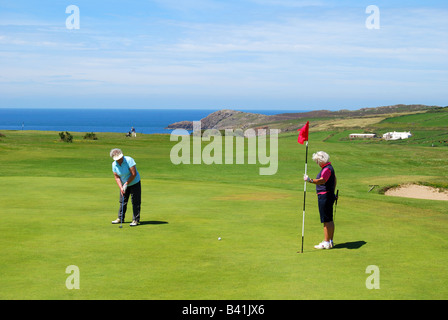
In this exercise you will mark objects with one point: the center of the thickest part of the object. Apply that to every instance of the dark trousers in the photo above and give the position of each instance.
(325, 202)
(135, 192)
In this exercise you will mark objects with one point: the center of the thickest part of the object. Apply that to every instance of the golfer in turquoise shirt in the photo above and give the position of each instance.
(128, 180)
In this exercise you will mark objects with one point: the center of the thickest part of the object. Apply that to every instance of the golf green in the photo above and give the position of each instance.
(58, 200)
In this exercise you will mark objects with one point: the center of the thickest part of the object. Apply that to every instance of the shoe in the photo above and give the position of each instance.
(323, 245)
(116, 221)
(134, 223)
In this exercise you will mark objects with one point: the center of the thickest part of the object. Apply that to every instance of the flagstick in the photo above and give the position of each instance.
(304, 196)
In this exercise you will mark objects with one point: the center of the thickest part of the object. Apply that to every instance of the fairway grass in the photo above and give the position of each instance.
(58, 201)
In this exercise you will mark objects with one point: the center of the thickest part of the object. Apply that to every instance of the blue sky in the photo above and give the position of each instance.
(247, 54)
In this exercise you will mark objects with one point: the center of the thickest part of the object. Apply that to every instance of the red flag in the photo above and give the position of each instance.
(303, 134)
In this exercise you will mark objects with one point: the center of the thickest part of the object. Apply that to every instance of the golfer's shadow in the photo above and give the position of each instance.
(152, 222)
(350, 245)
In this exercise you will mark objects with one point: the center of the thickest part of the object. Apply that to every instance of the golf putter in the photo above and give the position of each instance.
(121, 216)
(335, 205)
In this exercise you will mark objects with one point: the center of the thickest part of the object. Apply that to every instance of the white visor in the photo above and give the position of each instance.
(118, 157)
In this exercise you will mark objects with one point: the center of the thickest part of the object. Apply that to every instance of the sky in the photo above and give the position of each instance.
(215, 54)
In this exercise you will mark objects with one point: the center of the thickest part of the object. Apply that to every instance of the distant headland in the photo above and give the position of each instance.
(232, 119)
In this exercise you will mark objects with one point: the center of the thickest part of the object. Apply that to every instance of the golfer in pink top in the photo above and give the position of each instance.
(325, 186)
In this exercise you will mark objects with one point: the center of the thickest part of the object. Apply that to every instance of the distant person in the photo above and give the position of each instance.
(325, 186)
(133, 132)
(128, 180)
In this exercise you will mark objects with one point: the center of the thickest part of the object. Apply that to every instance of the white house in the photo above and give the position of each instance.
(396, 135)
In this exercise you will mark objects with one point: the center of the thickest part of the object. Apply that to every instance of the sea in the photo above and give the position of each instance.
(148, 121)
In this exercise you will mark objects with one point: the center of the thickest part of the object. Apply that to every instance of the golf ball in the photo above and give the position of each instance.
(219, 238)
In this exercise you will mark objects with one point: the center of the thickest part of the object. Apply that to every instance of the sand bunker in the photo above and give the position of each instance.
(418, 192)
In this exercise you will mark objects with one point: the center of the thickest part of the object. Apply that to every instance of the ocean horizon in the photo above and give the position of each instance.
(147, 121)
